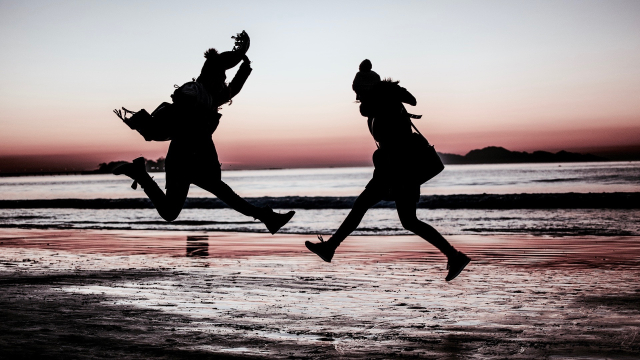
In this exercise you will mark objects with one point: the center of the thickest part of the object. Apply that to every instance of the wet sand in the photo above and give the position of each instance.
(77, 294)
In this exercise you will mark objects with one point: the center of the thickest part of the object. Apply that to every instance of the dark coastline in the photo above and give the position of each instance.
(9, 167)
(630, 200)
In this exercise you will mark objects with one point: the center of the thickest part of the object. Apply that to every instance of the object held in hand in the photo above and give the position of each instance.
(242, 42)
(122, 114)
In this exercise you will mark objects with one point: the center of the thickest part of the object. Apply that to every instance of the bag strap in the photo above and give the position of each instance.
(416, 129)
(412, 116)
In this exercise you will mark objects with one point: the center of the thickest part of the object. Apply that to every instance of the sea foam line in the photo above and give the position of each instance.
(618, 200)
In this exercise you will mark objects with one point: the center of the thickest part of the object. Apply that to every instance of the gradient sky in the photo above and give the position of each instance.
(525, 75)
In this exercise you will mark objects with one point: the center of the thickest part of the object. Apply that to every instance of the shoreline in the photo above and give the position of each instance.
(97, 172)
(570, 200)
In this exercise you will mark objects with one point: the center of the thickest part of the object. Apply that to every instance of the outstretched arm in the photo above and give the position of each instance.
(240, 78)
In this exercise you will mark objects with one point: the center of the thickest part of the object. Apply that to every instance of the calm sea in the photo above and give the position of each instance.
(456, 179)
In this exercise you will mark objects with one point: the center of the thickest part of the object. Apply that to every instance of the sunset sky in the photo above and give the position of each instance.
(525, 75)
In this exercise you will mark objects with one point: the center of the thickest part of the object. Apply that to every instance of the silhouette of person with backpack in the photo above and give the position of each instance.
(394, 177)
(189, 123)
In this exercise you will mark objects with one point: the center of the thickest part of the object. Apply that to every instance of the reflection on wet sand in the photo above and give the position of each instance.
(197, 246)
(137, 296)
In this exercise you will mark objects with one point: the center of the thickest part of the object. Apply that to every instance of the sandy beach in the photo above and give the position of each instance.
(140, 294)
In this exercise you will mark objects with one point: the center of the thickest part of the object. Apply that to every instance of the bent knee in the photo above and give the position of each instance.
(169, 215)
(409, 224)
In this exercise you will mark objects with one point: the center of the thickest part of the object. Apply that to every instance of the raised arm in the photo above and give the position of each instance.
(240, 78)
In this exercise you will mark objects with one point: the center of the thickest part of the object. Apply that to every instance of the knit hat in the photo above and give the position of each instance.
(365, 78)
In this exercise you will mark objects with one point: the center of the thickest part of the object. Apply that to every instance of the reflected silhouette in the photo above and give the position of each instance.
(189, 122)
(403, 161)
(197, 246)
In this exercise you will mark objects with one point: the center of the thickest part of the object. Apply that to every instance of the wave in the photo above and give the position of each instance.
(558, 180)
(621, 200)
(593, 179)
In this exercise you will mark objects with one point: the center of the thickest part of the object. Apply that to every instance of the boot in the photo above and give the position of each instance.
(456, 264)
(324, 249)
(135, 170)
(273, 220)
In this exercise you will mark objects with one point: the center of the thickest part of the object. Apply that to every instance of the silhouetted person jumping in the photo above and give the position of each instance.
(393, 177)
(189, 123)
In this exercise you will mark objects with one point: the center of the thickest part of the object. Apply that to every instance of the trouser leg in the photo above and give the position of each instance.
(168, 205)
(365, 200)
(407, 213)
(223, 192)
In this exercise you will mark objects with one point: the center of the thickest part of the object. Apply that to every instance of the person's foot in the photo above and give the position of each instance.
(323, 249)
(456, 264)
(273, 220)
(135, 170)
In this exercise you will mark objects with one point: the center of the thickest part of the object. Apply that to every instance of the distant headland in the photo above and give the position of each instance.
(500, 155)
(488, 155)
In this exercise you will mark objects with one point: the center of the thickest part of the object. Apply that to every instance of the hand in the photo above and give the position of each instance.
(122, 114)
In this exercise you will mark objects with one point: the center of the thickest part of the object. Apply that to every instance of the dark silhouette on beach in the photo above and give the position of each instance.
(197, 246)
(189, 123)
(399, 167)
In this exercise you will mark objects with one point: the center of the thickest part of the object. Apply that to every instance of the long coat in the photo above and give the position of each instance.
(390, 125)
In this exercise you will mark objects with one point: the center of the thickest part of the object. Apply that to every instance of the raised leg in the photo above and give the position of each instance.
(363, 203)
(456, 260)
(272, 220)
(326, 249)
(407, 213)
(223, 192)
(169, 205)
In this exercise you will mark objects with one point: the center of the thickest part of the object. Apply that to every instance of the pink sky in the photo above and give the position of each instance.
(526, 76)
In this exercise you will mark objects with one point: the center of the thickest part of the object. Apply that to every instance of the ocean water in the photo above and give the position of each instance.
(603, 177)
(455, 179)
(561, 222)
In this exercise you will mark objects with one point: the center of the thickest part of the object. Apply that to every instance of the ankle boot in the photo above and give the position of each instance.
(324, 249)
(135, 170)
(273, 220)
(455, 264)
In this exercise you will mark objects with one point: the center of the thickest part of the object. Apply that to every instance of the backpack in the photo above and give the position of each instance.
(162, 122)
(153, 127)
(192, 93)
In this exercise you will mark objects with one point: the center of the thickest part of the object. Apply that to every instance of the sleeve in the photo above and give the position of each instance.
(239, 79)
(406, 97)
(355, 87)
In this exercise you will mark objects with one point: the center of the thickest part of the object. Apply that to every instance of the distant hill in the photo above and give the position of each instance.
(500, 155)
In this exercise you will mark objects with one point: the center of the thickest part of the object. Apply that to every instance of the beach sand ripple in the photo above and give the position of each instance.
(95, 294)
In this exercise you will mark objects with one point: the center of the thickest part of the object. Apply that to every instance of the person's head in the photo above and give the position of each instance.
(212, 74)
(364, 80)
(365, 65)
